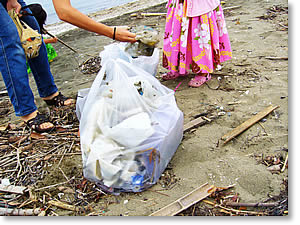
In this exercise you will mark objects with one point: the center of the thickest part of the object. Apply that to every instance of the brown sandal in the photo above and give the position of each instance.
(36, 122)
(57, 101)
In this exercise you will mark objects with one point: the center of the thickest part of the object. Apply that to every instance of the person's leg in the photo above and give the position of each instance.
(13, 66)
(40, 66)
(14, 70)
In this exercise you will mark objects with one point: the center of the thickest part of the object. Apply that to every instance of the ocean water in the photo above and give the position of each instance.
(85, 6)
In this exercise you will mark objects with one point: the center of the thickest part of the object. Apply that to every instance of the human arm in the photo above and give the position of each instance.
(69, 14)
(13, 4)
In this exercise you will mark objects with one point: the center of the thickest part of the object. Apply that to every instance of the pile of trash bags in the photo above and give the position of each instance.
(130, 125)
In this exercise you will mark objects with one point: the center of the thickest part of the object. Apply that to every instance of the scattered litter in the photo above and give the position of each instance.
(221, 113)
(274, 168)
(139, 14)
(148, 39)
(12, 189)
(5, 182)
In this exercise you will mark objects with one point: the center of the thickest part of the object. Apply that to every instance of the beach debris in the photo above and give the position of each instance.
(147, 39)
(91, 65)
(244, 126)
(274, 168)
(141, 15)
(19, 212)
(221, 113)
(12, 189)
(277, 58)
(194, 123)
(168, 179)
(232, 212)
(273, 11)
(63, 205)
(5, 182)
(228, 203)
(186, 201)
(285, 163)
(139, 49)
(147, 35)
(258, 204)
(190, 199)
(232, 7)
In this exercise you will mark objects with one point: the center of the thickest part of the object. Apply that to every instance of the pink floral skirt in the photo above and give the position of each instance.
(198, 44)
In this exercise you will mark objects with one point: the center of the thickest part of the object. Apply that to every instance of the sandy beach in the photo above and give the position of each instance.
(254, 79)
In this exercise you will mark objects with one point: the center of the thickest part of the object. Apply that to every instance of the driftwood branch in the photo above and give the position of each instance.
(54, 185)
(63, 205)
(258, 204)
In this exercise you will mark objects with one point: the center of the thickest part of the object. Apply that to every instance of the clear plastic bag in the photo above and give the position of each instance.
(130, 127)
(118, 50)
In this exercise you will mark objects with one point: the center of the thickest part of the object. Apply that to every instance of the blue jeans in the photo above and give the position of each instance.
(13, 65)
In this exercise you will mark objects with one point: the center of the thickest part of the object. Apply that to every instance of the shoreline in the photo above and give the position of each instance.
(102, 15)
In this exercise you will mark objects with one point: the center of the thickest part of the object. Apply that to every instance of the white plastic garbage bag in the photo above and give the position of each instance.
(130, 127)
(117, 50)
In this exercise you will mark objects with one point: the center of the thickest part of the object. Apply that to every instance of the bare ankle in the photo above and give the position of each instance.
(29, 116)
(50, 96)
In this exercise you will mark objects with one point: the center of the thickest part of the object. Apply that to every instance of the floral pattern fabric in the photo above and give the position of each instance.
(197, 44)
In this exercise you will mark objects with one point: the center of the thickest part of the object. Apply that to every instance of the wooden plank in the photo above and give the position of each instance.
(185, 202)
(194, 123)
(12, 189)
(244, 126)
